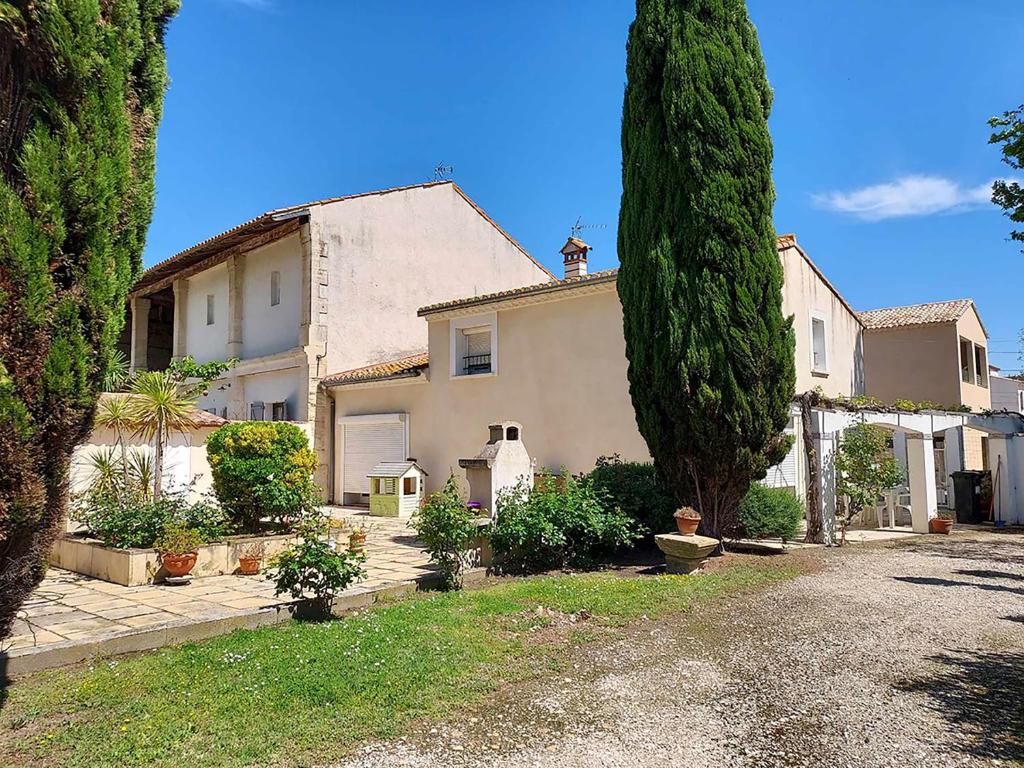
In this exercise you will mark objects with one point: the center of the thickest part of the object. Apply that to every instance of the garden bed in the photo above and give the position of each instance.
(135, 567)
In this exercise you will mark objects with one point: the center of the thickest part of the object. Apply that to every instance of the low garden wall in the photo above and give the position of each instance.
(135, 567)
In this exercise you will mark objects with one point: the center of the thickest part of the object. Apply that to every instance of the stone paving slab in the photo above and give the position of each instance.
(71, 617)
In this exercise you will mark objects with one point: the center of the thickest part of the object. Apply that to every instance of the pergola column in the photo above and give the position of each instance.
(178, 347)
(825, 447)
(921, 468)
(236, 280)
(140, 333)
(1000, 464)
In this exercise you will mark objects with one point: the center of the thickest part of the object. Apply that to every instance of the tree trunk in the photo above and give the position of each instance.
(158, 460)
(815, 527)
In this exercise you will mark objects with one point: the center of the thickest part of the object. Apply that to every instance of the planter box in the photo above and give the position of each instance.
(134, 567)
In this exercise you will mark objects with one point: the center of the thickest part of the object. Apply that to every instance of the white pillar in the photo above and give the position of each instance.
(825, 446)
(1000, 464)
(140, 333)
(954, 461)
(236, 277)
(178, 346)
(921, 467)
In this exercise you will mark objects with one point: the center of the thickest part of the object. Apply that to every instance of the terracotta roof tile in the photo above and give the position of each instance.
(404, 367)
(916, 314)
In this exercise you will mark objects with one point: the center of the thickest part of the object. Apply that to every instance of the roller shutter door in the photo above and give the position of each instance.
(365, 446)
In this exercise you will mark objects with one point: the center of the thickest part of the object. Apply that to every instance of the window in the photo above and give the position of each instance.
(409, 486)
(1020, 400)
(256, 411)
(209, 309)
(279, 412)
(819, 346)
(474, 349)
(275, 288)
(966, 362)
(981, 365)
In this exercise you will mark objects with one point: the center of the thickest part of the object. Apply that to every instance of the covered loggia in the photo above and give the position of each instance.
(914, 441)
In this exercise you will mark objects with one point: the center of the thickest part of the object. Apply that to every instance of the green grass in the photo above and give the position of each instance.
(305, 693)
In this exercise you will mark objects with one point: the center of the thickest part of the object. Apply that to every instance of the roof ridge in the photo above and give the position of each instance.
(919, 304)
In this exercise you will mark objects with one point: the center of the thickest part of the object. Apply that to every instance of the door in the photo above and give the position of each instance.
(364, 445)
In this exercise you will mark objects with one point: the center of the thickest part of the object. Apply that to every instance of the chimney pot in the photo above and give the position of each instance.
(574, 254)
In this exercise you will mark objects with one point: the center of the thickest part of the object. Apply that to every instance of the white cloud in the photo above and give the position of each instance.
(907, 196)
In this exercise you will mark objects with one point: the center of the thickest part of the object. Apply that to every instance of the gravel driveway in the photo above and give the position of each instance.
(898, 655)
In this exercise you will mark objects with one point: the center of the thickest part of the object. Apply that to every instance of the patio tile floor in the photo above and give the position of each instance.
(70, 609)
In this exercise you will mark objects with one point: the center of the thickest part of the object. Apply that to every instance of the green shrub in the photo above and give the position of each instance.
(178, 539)
(448, 529)
(562, 521)
(263, 469)
(635, 488)
(127, 522)
(313, 567)
(770, 513)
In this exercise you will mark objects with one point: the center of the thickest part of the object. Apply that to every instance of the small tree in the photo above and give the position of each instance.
(1008, 131)
(865, 468)
(158, 405)
(448, 529)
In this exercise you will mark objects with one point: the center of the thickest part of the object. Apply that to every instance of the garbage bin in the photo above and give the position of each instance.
(967, 495)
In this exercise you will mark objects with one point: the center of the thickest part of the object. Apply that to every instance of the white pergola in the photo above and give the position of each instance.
(1006, 450)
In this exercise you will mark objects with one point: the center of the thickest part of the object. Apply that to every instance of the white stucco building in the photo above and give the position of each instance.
(323, 286)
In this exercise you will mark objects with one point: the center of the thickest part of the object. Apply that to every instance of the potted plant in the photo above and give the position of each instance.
(178, 546)
(249, 557)
(943, 523)
(687, 520)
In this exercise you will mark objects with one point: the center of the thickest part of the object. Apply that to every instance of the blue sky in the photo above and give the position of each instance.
(881, 149)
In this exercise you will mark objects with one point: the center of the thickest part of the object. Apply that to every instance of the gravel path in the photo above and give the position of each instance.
(907, 654)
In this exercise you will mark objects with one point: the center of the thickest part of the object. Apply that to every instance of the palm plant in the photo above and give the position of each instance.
(140, 471)
(114, 413)
(105, 470)
(118, 372)
(159, 405)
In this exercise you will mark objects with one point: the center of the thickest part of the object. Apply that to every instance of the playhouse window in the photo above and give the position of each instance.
(409, 486)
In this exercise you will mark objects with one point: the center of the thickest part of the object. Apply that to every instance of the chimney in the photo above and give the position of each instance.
(574, 254)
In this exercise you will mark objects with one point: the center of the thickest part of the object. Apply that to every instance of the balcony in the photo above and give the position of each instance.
(476, 364)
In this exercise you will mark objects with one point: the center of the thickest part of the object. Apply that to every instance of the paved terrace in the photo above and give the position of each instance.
(72, 617)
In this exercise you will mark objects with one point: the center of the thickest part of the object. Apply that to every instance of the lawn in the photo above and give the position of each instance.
(306, 693)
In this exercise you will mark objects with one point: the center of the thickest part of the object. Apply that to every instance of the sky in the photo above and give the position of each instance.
(882, 161)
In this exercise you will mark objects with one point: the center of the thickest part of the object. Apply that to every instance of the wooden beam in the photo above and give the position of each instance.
(245, 245)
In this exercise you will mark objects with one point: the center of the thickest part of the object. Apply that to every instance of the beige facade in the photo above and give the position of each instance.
(324, 286)
(936, 353)
(559, 369)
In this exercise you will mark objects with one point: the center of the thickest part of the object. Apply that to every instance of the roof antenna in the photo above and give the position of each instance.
(577, 229)
(443, 172)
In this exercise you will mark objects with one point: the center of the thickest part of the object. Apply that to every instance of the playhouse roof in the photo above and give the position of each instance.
(394, 469)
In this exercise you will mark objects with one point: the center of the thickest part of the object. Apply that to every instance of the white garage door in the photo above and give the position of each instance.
(366, 445)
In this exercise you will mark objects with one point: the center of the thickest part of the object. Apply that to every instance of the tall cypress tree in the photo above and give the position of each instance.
(711, 367)
(81, 90)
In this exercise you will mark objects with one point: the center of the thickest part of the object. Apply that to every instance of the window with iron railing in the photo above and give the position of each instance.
(472, 364)
(476, 358)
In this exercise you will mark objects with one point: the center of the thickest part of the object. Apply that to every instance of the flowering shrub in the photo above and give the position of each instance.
(125, 520)
(560, 521)
(447, 528)
(263, 469)
(313, 567)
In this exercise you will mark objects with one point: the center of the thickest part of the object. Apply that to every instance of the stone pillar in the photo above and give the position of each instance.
(999, 462)
(178, 346)
(954, 462)
(140, 333)
(236, 280)
(825, 447)
(921, 468)
(237, 407)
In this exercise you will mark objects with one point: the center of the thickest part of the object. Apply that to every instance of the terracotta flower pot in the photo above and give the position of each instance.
(179, 565)
(248, 566)
(687, 524)
(940, 525)
(356, 541)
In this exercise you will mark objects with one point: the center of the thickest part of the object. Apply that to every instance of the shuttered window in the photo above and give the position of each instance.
(365, 446)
